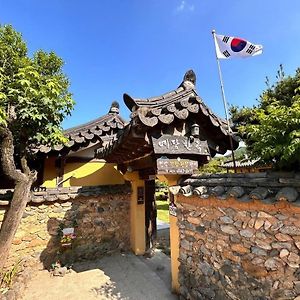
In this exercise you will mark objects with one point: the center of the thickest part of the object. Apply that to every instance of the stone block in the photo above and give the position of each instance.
(274, 263)
(229, 229)
(254, 270)
(283, 237)
(291, 230)
(240, 248)
(248, 233)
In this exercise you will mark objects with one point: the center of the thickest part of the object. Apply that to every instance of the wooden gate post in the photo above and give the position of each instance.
(174, 236)
(137, 213)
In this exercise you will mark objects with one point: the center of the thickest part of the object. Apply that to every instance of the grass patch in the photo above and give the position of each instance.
(162, 210)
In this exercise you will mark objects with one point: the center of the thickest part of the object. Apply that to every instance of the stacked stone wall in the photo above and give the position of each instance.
(99, 215)
(235, 250)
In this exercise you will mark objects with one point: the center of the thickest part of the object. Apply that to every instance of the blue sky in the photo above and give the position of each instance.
(144, 47)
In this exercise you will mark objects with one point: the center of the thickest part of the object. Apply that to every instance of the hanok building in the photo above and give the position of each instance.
(75, 164)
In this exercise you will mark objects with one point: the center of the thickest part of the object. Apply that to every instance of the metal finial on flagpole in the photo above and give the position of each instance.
(224, 101)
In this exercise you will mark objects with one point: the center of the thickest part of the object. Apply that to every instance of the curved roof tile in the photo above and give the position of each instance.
(89, 132)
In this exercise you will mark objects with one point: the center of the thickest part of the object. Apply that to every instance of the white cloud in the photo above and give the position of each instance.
(184, 6)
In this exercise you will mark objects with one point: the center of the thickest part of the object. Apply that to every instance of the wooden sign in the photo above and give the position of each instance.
(170, 144)
(176, 166)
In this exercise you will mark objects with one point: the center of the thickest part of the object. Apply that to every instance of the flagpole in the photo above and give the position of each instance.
(224, 102)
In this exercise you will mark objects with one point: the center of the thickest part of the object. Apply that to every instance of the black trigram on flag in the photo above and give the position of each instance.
(226, 53)
(225, 39)
(250, 49)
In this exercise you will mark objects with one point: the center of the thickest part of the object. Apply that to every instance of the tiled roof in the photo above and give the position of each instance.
(240, 163)
(160, 112)
(177, 104)
(66, 193)
(91, 132)
(267, 187)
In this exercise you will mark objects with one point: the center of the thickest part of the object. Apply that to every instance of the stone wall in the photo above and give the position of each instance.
(234, 250)
(100, 216)
(240, 236)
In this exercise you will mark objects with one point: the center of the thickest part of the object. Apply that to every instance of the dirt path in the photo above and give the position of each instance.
(121, 276)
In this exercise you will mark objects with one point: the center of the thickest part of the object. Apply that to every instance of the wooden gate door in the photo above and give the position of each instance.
(150, 213)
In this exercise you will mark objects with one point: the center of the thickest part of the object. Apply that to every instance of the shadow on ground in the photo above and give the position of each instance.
(119, 276)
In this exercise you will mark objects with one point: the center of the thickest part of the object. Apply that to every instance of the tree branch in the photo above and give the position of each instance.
(31, 173)
(7, 156)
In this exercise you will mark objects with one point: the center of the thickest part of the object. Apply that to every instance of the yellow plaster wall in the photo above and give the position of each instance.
(82, 174)
(49, 177)
(91, 173)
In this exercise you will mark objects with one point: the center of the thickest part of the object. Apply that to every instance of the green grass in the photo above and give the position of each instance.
(162, 210)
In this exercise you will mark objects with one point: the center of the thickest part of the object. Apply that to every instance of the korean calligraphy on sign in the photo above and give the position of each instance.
(176, 166)
(169, 144)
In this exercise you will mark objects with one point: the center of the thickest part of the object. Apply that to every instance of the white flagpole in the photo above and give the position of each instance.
(224, 101)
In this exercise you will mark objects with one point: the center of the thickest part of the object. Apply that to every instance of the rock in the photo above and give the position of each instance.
(227, 270)
(238, 224)
(282, 245)
(291, 230)
(226, 220)
(235, 238)
(209, 293)
(260, 235)
(264, 215)
(248, 233)
(257, 261)
(258, 251)
(274, 252)
(273, 263)
(263, 244)
(259, 223)
(194, 220)
(276, 226)
(239, 248)
(251, 223)
(206, 269)
(229, 255)
(294, 258)
(204, 250)
(276, 285)
(200, 229)
(267, 225)
(284, 253)
(297, 287)
(297, 245)
(253, 214)
(229, 229)
(254, 270)
(282, 237)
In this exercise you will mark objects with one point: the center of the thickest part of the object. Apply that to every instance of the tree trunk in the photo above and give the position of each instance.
(13, 218)
(23, 183)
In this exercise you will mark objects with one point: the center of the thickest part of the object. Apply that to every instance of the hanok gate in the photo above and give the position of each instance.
(171, 136)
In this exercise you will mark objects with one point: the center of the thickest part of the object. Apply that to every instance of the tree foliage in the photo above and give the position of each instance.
(271, 129)
(34, 96)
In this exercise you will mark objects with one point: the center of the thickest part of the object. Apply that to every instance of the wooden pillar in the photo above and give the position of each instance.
(60, 168)
(137, 213)
(174, 237)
